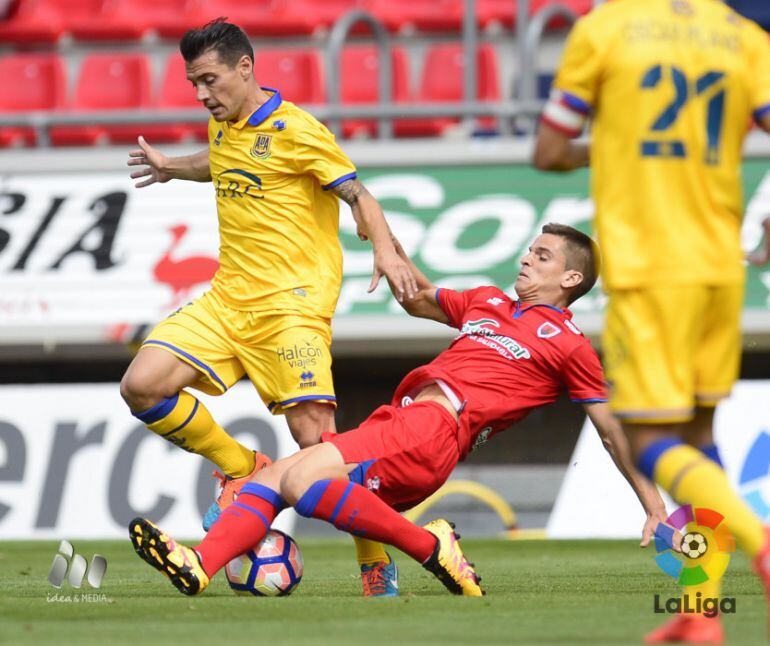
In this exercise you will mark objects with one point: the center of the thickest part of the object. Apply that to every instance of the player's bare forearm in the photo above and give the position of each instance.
(367, 214)
(423, 305)
(556, 151)
(614, 440)
(193, 167)
(372, 226)
(421, 279)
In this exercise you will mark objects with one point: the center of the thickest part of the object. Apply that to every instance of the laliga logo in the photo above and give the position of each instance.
(706, 548)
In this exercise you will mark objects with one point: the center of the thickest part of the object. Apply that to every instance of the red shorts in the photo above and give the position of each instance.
(403, 454)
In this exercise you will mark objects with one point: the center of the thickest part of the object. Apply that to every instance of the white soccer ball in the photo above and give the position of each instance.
(272, 569)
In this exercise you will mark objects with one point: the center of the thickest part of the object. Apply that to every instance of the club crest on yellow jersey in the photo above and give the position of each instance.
(261, 147)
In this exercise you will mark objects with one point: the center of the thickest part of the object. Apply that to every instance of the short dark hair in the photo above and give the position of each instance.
(227, 39)
(582, 255)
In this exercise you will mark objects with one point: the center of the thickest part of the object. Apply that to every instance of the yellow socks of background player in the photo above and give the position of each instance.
(370, 552)
(185, 421)
(690, 477)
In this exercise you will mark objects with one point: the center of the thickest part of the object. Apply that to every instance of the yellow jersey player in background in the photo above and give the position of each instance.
(671, 87)
(278, 175)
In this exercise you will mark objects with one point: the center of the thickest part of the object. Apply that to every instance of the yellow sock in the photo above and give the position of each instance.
(186, 422)
(369, 552)
(692, 478)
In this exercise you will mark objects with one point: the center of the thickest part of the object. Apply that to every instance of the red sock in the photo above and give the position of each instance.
(240, 528)
(356, 510)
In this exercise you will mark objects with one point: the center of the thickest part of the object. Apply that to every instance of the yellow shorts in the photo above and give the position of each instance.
(668, 349)
(285, 355)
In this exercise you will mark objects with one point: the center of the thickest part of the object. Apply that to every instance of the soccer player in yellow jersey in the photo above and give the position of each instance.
(671, 87)
(278, 175)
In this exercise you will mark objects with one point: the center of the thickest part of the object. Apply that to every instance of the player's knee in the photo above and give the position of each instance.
(307, 437)
(309, 422)
(294, 484)
(138, 392)
(305, 430)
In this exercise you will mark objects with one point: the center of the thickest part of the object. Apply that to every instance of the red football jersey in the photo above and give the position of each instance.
(510, 357)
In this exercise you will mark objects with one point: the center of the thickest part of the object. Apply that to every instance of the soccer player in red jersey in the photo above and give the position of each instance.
(510, 357)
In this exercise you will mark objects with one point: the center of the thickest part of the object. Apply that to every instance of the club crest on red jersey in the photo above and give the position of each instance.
(547, 330)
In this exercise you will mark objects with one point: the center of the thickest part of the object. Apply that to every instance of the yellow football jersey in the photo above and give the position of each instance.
(672, 85)
(278, 221)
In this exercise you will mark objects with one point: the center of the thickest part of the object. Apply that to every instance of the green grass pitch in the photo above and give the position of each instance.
(538, 592)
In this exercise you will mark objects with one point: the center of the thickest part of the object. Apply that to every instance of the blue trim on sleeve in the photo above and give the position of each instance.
(267, 108)
(761, 112)
(341, 501)
(650, 456)
(256, 512)
(159, 411)
(358, 475)
(711, 451)
(266, 493)
(339, 181)
(576, 103)
(187, 355)
(594, 400)
(187, 421)
(306, 505)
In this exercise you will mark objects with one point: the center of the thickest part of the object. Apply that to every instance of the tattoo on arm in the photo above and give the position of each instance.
(350, 190)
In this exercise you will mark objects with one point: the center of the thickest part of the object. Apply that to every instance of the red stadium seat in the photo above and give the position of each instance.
(502, 12)
(297, 73)
(323, 15)
(44, 21)
(442, 82)
(255, 17)
(359, 83)
(38, 82)
(131, 19)
(177, 92)
(423, 15)
(107, 82)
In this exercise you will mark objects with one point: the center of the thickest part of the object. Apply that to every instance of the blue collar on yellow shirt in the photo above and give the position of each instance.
(267, 108)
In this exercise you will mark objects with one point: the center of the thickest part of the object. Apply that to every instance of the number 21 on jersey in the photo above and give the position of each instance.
(706, 87)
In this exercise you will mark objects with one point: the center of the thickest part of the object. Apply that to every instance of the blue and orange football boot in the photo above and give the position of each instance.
(380, 579)
(229, 488)
(179, 563)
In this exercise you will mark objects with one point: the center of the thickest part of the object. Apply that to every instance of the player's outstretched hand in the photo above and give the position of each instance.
(398, 274)
(761, 255)
(153, 162)
(656, 524)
